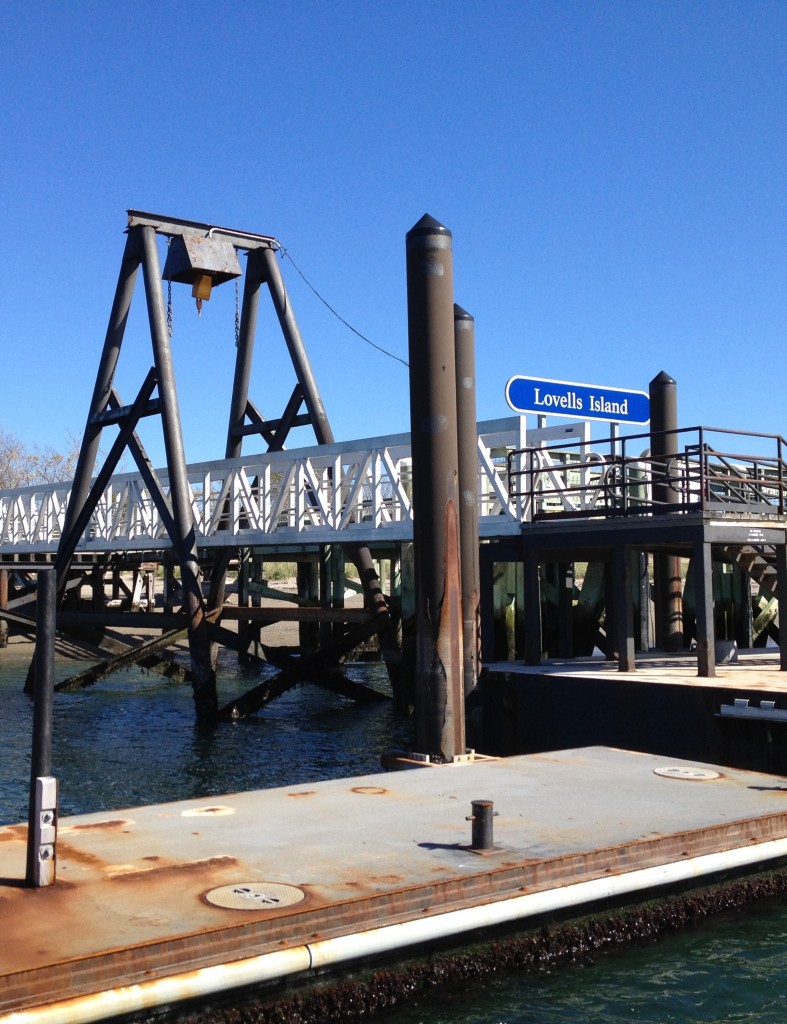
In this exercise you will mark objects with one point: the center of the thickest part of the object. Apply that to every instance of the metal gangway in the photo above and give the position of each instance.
(348, 492)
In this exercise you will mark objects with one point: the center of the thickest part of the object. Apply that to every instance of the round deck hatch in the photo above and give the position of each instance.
(687, 772)
(255, 896)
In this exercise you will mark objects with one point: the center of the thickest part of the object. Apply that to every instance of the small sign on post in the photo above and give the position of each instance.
(580, 401)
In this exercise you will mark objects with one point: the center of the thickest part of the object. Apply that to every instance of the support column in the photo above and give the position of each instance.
(532, 588)
(623, 608)
(439, 667)
(203, 653)
(666, 568)
(781, 592)
(565, 609)
(703, 600)
(467, 441)
(487, 585)
(308, 583)
(644, 602)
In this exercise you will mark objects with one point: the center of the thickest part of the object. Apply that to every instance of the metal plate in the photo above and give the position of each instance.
(687, 773)
(255, 896)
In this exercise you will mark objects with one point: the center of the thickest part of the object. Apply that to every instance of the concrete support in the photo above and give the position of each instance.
(666, 568)
(467, 442)
(439, 664)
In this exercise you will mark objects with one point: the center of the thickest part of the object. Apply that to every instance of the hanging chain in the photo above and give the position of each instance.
(169, 296)
(237, 313)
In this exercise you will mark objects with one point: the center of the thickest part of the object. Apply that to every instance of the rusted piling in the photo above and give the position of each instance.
(467, 441)
(666, 568)
(439, 673)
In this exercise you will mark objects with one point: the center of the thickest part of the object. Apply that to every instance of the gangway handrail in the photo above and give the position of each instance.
(350, 491)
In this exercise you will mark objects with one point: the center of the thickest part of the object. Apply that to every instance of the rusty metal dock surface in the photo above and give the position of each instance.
(130, 903)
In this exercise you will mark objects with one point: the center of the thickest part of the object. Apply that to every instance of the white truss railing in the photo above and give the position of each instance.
(356, 491)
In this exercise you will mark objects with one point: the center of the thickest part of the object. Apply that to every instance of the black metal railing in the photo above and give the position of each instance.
(686, 470)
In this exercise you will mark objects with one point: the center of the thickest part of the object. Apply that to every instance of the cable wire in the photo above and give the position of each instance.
(385, 352)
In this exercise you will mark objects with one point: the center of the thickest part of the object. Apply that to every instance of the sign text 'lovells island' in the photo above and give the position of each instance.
(583, 401)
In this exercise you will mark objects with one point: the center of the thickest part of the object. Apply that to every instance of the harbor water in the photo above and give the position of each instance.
(130, 740)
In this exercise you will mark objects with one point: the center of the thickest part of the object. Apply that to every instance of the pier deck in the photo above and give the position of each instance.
(377, 864)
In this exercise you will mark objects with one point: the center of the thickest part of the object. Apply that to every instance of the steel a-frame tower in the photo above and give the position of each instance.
(202, 255)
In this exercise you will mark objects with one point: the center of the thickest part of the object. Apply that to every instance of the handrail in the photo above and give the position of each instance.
(354, 491)
(600, 478)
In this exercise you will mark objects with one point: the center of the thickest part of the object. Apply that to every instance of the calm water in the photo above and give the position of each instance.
(130, 740)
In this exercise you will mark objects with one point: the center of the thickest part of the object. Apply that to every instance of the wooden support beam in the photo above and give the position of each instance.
(130, 657)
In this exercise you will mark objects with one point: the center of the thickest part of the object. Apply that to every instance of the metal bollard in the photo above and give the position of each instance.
(482, 824)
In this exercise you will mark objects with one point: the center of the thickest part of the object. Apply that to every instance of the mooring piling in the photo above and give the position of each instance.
(439, 711)
(663, 392)
(467, 442)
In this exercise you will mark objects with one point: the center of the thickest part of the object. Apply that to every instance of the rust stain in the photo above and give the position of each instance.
(13, 834)
(369, 790)
(110, 823)
(303, 792)
(65, 851)
(166, 870)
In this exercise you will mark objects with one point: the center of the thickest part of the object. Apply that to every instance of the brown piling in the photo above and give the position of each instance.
(668, 594)
(439, 707)
(467, 440)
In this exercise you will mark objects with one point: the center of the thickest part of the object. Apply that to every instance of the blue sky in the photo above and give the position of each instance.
(613, 174)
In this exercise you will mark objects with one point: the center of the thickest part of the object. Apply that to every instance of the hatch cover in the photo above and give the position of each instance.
(687, 772)
(255, 896)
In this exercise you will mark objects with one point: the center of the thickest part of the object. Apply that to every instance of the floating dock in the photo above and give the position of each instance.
(161, 904)
(736, 717)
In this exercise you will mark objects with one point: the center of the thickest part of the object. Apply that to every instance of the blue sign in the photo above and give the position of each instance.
(580, 401)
